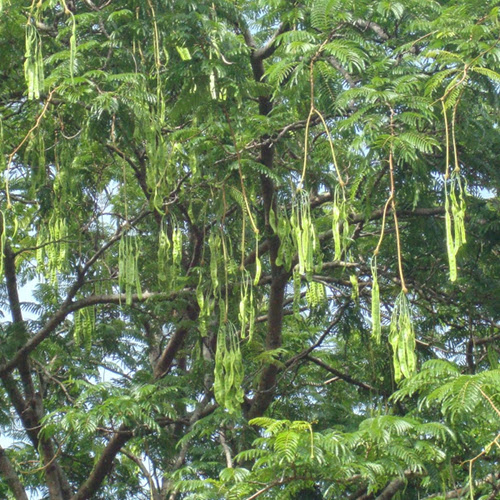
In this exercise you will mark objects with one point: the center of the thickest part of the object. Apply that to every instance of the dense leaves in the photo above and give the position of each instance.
(249, 249)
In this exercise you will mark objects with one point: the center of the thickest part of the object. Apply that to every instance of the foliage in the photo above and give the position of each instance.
(249, 249)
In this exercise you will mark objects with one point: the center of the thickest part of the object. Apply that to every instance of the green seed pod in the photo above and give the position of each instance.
(376, 325)
(402, 339)
(297, 284)
(355, 287)
(454, 220)
(214, 245)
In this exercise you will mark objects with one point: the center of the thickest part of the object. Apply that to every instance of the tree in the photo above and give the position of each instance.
(250, 249)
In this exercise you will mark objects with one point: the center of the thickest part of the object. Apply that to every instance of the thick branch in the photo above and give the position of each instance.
(460, 492)
(267, 382)
(391, 489)
(30, 412)
(174, 344)
(62, 313)
(104, 464)
(347, 76)
(268, 49)
(17, 317)
(11, 478)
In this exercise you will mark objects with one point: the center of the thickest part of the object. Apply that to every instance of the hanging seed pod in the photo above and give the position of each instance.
(402, 339)
(376, 325)
(164, 269)
(200, 299)
(246, 297)
(228, 373)
(2, 240)
(454, 220)
(214, 243)
(340, 224)
(303, 233)
(286, 250)
(84, 327)
(128, 268)
(251, 316)
(176, 252)
(3, 163)
(169, 256)
(206, 305)
(458, 210)
(355, 287)
(55, 245)
(242, 310)
(315, 294)
(297, 284)
(450, 246)
(33, 65)
(72, 47)
(258, 264)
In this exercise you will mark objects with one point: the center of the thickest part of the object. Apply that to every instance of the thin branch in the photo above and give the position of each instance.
(391, 489)
(336, 319)
(343, 376)
(155, 494)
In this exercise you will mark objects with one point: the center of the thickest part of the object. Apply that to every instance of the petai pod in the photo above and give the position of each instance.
(402, 338)
(376, 325)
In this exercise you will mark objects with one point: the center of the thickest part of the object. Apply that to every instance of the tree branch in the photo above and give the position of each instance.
(338, 316)
(174, 344)
(67, 308)
(268, 48)
(155, 494)
(376, 28)
(391, 489)
(343, 376)
(11, 478)
(104, 464)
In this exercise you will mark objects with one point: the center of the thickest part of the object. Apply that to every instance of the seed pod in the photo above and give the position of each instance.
(228, 373)
(296, 292)
(214, 245)
(454, 220)
(402, 339)
(355, 287)
(376, 326)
